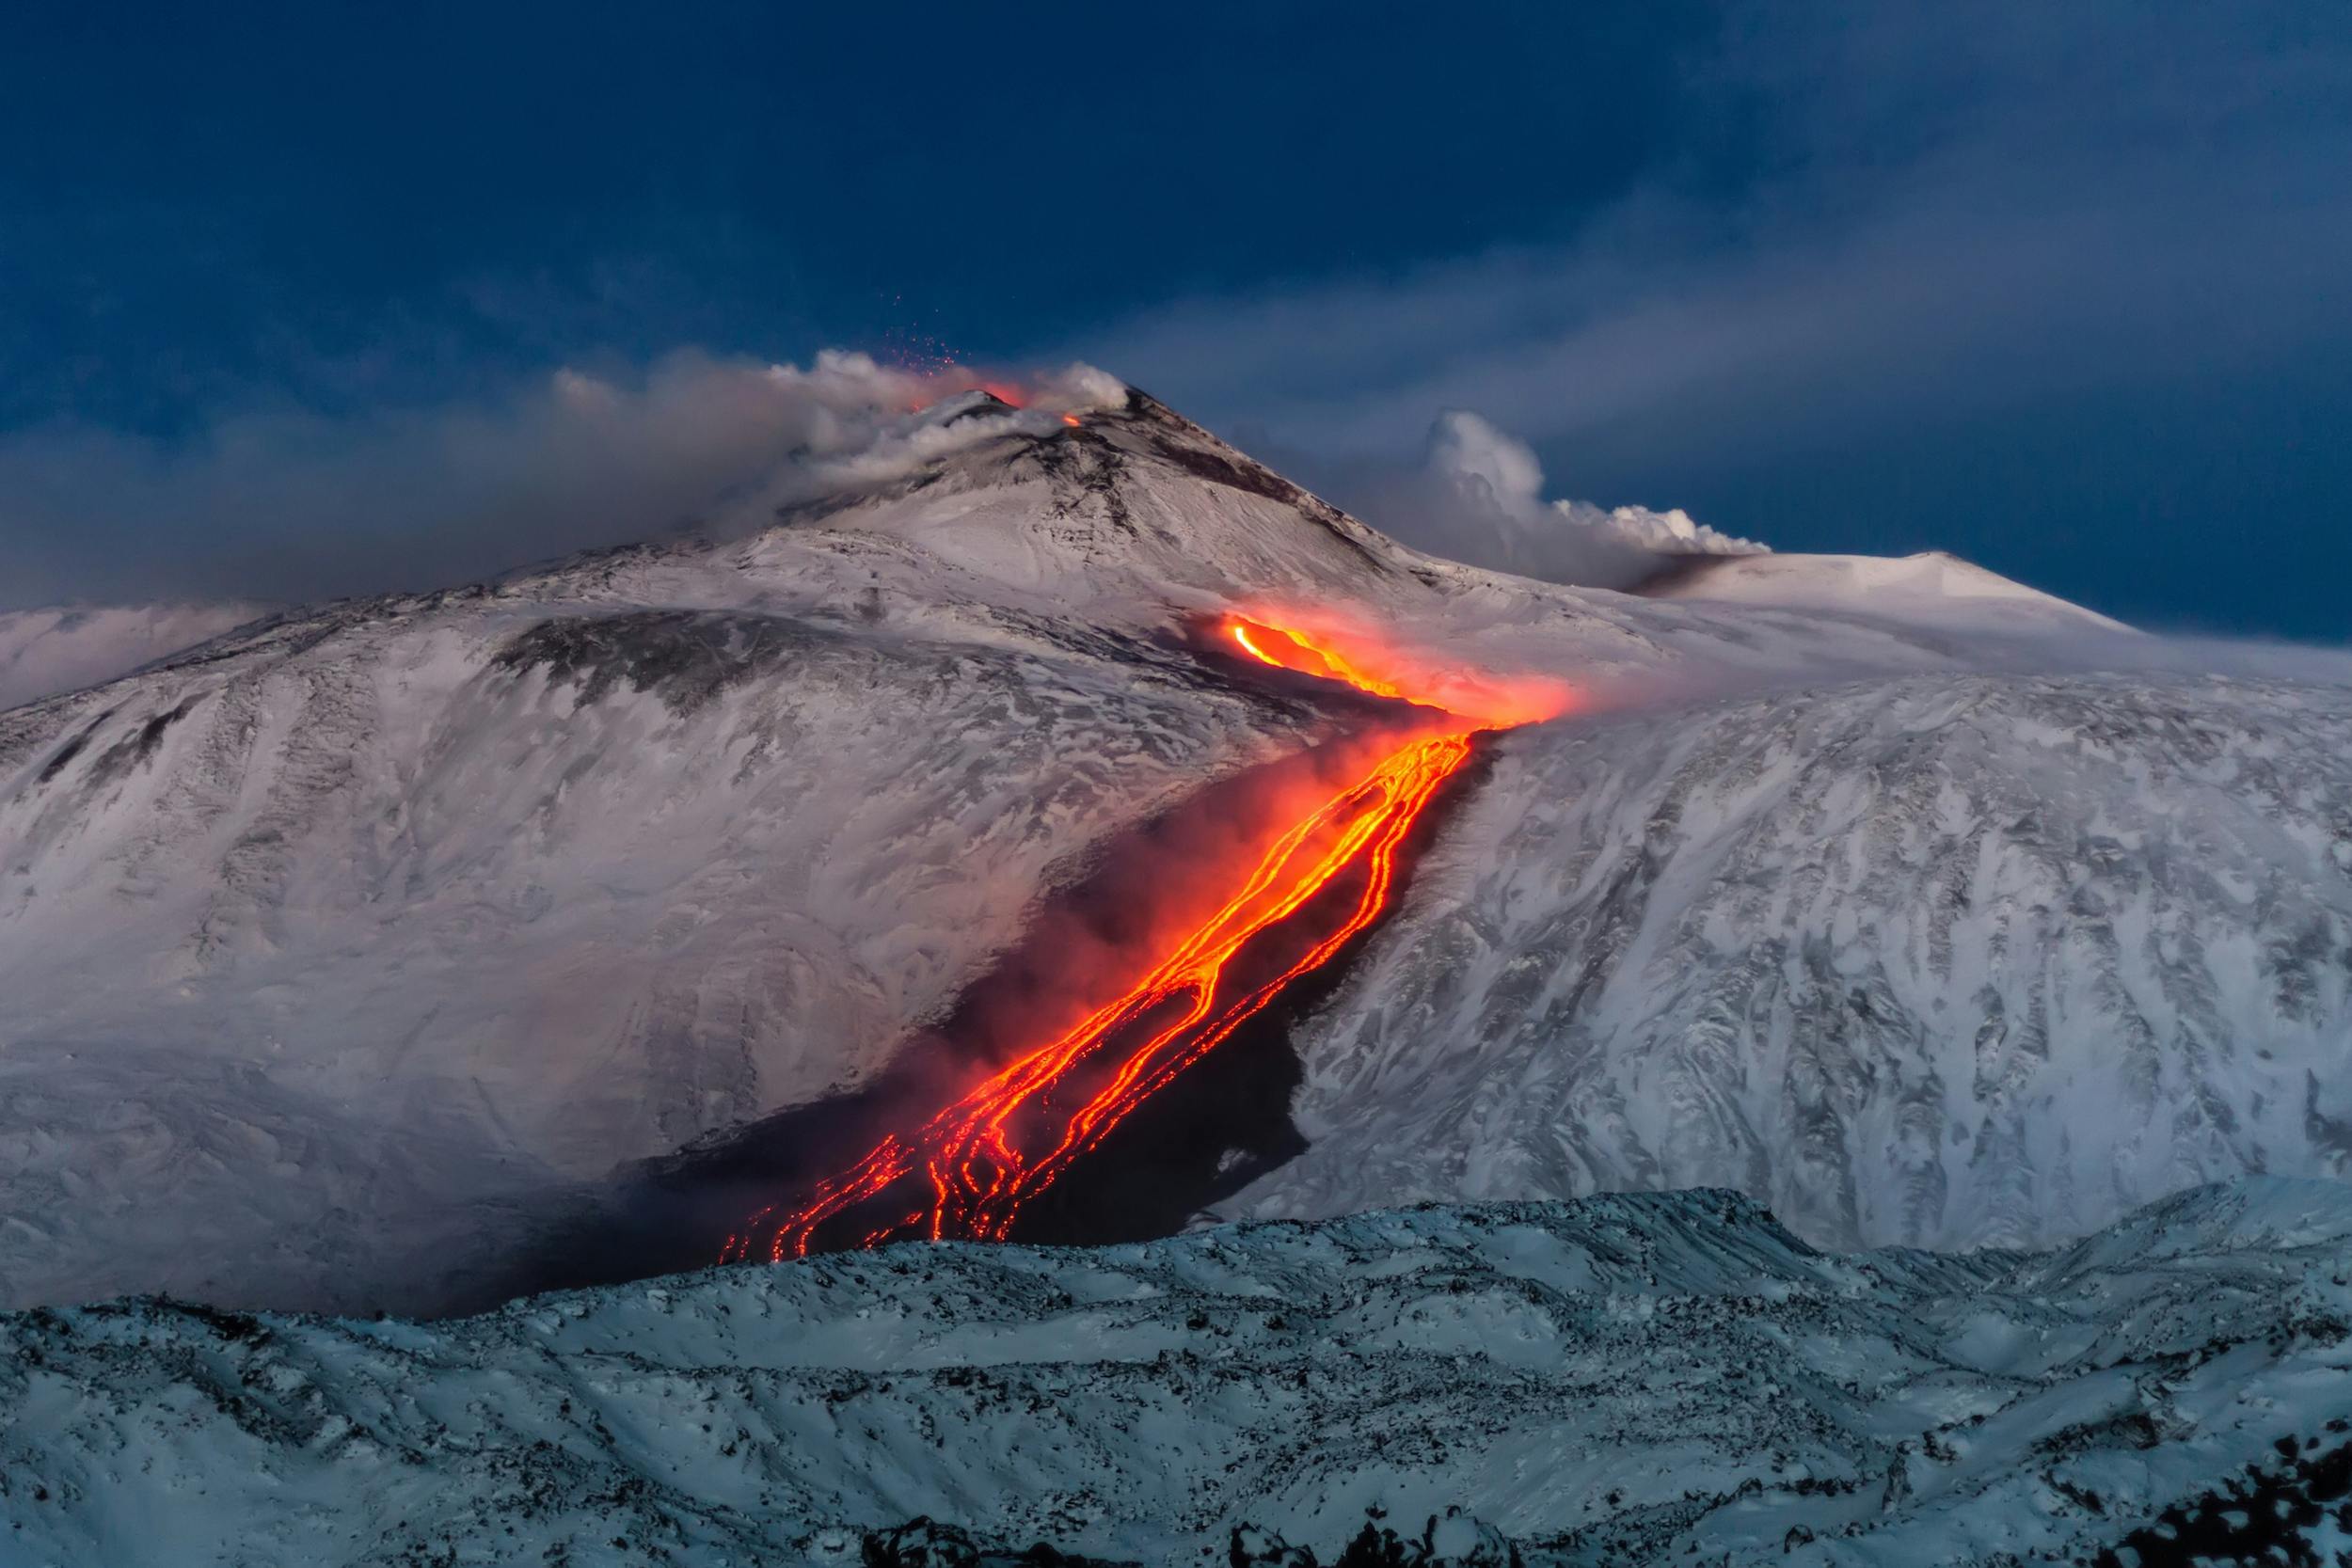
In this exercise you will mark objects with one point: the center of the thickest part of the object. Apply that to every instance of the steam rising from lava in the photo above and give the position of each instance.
(969, 1171)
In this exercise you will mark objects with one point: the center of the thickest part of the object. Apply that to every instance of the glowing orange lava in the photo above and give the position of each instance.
(1487, 701)
(969, 1171)
(1291, 650)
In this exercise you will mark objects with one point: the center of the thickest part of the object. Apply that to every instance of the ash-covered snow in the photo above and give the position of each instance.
(1654, 1379)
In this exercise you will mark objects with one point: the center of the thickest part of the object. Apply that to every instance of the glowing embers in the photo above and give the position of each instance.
(969, 1171)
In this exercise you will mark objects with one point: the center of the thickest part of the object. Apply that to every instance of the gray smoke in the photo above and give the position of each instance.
(292, 506)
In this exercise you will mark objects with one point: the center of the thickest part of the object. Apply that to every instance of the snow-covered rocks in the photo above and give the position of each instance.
(1652, 1379)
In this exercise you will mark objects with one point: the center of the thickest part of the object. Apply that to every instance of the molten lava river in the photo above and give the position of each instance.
(969, 1170)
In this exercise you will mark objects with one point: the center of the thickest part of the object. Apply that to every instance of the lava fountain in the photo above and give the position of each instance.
(968, 1172)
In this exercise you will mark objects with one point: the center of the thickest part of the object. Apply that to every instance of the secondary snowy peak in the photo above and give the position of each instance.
(1932, 588)
(1640, 1380)
(447, 904)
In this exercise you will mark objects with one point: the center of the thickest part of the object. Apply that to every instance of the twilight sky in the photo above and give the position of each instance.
(2066, 289)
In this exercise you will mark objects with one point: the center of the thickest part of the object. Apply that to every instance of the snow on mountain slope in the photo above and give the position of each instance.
(1942, 962)
(1140, 505)
(355, 930)
(44, 652)
(505, 883)
(367, 926)
(1629, 1380)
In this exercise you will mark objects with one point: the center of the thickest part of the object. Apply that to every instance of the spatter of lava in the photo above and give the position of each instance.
(968, 1172)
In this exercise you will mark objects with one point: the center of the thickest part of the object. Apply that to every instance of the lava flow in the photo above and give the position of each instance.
(969, 1171)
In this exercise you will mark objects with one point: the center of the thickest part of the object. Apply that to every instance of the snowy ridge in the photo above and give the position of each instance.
(1944, 961)
(1929, 588)
(1629, 1380)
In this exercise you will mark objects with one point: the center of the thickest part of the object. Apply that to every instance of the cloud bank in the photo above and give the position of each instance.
(291, 506)
(1858, 222)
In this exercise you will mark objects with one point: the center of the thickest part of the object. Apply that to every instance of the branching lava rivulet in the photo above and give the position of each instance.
(969, 1171)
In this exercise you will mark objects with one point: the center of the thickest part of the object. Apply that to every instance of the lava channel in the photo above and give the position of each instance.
(968, 1172)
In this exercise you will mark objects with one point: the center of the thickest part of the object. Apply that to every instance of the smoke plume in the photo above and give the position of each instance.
(1478, 497)
(291, 506)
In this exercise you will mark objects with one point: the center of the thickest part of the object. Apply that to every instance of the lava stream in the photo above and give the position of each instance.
(968, 1172)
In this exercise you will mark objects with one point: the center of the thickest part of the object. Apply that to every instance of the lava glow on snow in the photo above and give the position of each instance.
(968, 1172)
(1476, 697)
(1288, 650)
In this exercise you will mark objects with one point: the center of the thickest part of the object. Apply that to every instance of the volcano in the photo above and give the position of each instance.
(350, 951)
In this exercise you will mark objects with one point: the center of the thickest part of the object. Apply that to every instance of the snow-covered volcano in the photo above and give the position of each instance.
(338, 947)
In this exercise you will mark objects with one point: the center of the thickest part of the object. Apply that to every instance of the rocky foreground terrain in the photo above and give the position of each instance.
(1643, 1379)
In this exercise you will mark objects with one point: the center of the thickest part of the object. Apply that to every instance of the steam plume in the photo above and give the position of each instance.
(1478, 497)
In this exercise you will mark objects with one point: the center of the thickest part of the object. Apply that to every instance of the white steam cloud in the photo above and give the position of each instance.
(1479, 498)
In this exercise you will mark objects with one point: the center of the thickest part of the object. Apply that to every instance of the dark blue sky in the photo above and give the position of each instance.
(2066, 289)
